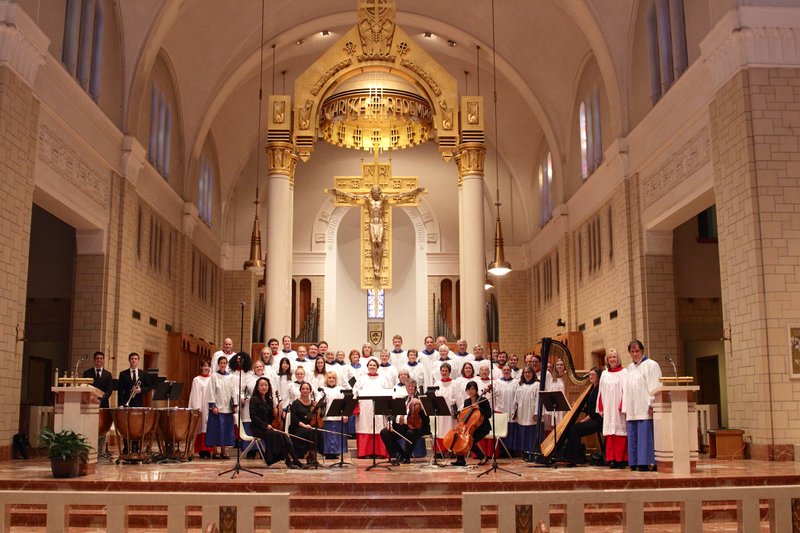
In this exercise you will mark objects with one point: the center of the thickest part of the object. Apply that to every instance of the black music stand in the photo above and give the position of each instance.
(389, 407)
(555, 402)
(374, 400)
(167, 390)
(341, 407)
(435, 406)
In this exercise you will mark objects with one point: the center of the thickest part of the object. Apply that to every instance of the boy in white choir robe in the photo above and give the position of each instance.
(416, 370)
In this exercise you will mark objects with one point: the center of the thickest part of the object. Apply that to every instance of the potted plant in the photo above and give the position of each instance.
(66, 449)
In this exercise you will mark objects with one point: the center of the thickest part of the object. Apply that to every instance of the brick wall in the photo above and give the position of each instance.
(754, 123)
(19, 111)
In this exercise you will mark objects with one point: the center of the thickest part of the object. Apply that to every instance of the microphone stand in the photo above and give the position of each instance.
(238, 466)
(494, 468)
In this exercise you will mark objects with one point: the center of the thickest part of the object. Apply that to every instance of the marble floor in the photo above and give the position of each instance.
(419, 488)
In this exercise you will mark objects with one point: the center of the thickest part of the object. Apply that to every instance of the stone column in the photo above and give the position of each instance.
(472, 255)
(281, 161)
(22, 52)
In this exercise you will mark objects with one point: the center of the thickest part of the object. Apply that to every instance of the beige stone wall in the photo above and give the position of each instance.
(19, 111)
(88, 306)
(237, 286)
(514, 304)
(754, 123)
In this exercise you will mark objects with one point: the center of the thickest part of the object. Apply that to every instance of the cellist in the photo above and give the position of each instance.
(412, 426)
(482, 430)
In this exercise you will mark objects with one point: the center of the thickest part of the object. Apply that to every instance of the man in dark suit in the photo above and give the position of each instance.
(131, 380)
(102, 378)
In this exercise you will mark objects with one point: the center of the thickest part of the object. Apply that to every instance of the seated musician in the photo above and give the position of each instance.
(592, 423)
(482, 430)
(413, 429)
(262, 414)
(307, 439)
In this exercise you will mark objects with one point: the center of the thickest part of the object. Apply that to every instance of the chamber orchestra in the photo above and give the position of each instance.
(453, 407)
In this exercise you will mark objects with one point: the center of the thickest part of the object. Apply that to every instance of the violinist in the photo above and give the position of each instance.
(412, 426)
(302, 411)
(483, 429)
(262, 416)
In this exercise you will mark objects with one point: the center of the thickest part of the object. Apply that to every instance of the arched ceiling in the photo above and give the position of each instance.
(213, 48)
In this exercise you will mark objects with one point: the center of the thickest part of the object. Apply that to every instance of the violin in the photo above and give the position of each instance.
(317, 419)
(459, 439)
(277, 421)
(414, 417)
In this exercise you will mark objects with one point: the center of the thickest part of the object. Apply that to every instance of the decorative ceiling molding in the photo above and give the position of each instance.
(23, 45)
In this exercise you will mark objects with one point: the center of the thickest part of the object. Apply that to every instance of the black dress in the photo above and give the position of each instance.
(278, 444)
(574, 450)
(302, 413)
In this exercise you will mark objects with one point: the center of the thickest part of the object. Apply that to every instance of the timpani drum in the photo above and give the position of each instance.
(176, 431)
(105, 419)
(135, 430)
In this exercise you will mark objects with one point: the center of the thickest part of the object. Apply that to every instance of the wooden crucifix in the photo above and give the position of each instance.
(376, 190)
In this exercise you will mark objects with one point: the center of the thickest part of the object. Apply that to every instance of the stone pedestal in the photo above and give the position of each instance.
(675, 426)
(77, 409)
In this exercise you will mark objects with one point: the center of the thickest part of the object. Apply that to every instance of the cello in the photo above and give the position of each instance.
(459, 439)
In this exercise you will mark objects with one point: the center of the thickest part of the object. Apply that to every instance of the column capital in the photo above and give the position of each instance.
(470, 158)
(23, 46)
(282, 159)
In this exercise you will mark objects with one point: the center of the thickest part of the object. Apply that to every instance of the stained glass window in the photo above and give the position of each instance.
(375, 303)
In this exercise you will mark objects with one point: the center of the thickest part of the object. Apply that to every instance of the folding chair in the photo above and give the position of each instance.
(249, 439)
(501, 432)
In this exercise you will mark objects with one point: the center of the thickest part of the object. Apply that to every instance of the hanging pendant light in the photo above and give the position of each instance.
(487, 285)
(255, 264)
(498, 267)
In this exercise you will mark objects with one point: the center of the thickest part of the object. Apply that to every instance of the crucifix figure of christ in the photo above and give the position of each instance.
(376, 190)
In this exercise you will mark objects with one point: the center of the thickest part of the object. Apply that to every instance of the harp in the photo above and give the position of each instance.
(553, 349)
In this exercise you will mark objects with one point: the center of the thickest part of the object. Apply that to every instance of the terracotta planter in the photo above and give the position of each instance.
(65, 468)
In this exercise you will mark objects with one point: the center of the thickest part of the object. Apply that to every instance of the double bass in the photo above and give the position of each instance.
(459, 439)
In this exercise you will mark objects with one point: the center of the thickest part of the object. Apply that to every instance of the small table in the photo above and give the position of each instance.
(726, 444)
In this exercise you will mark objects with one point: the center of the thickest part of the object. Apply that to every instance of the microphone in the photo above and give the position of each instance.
(674, 368)
(83, 358)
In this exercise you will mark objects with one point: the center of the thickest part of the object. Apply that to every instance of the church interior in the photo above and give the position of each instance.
(177, 173)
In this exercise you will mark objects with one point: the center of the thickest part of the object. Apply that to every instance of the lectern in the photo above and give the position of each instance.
(77, 409)
(675, 427)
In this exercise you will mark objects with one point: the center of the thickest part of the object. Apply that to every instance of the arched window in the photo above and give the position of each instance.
(666, 44)
(205, 187)
(84, 26)
(546, 190)
(590, 133)
(158, 152)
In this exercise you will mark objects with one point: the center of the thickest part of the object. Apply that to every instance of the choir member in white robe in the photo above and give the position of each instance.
(444, 358)
(522, 428)
(447, 390)
(294, 389)
(221, 401)
(609, 405)
(284, 380)
(354, 370)
(427, 355)
(197, 398)
(332, 444)
(398, 354)
(416, 370)
(467, 374)
(368, 427)
(387, 369)
(637, 404)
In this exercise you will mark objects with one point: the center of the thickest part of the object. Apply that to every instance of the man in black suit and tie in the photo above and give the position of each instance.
(133, 380)
(102, 378)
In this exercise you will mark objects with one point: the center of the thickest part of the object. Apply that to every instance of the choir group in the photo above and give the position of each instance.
(283, 397)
